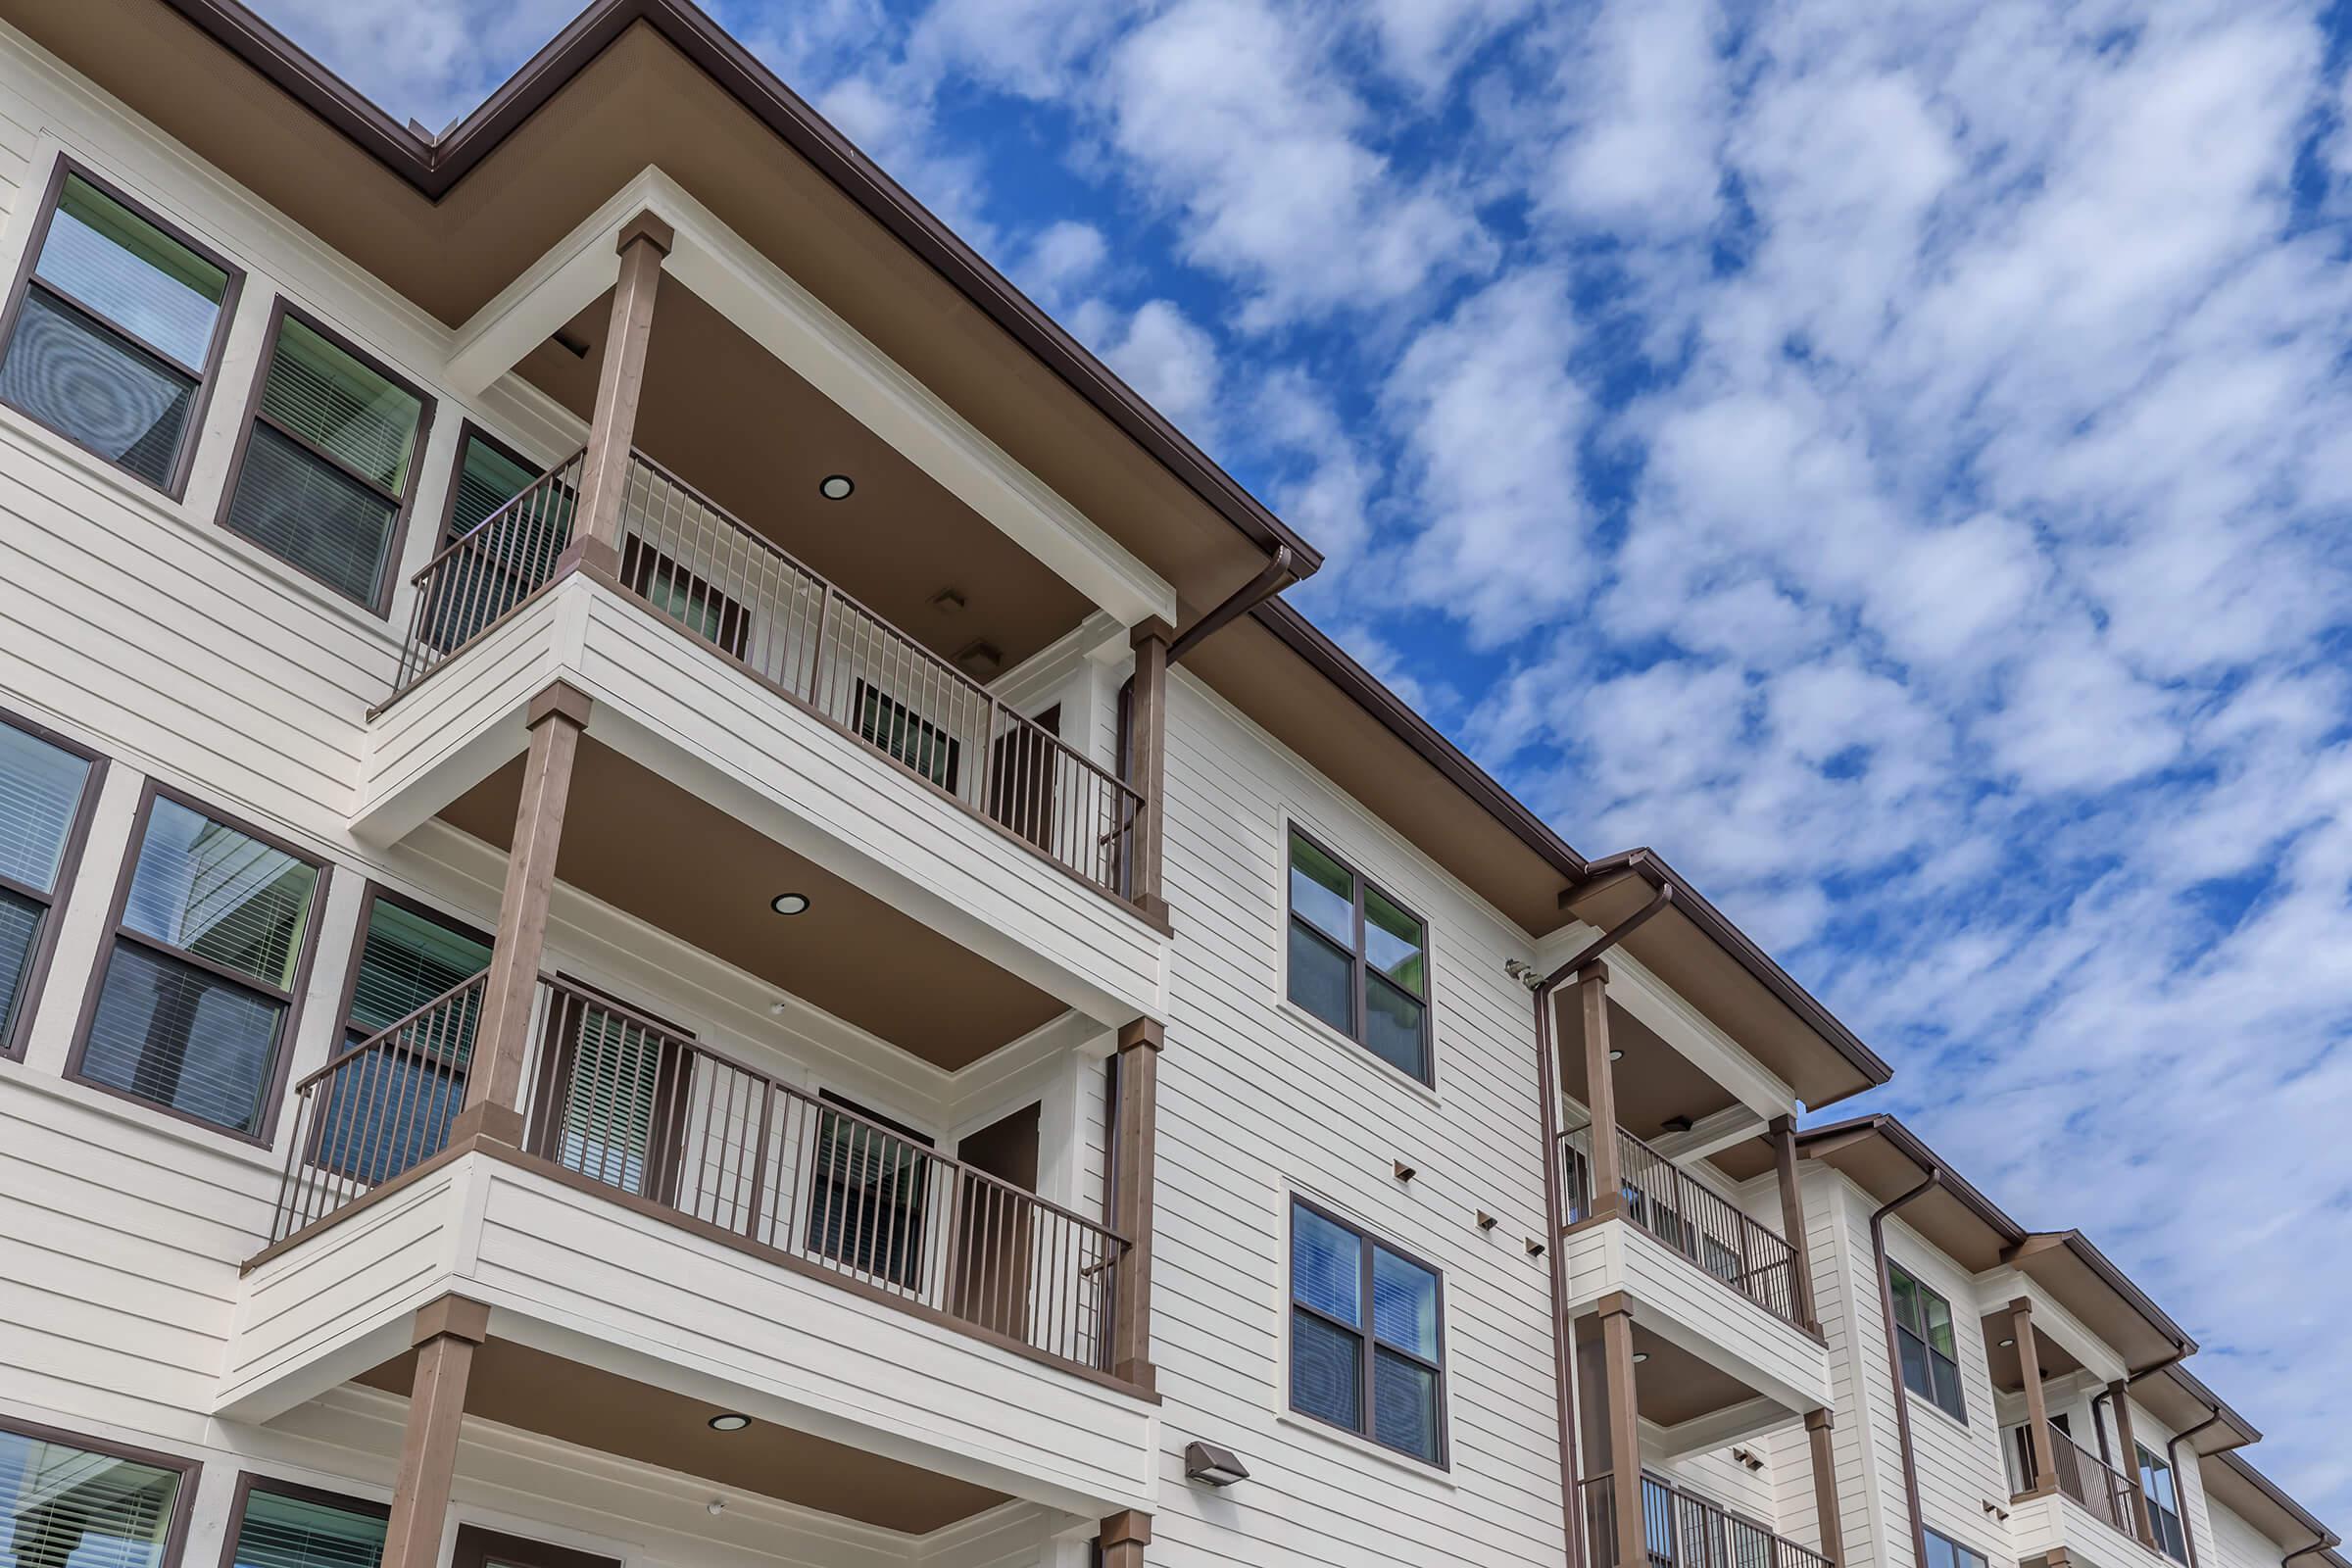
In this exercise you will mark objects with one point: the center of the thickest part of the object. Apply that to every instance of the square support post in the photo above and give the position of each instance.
(1123, 1538)
(2127, 1460)
(1625, 1431)
(1134, 1155)
(2037, 1412)
(620, 383)
(1600, 1090)
(1147, 764)
(1819, 1425)
(447, 1331)
(1783, 1132)
(502, 1040)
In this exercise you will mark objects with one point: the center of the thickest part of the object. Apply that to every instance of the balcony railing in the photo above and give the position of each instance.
(684, 556)
(1690, 1217)
(629, 1104)
(2095, 1486)
(1683, 1529)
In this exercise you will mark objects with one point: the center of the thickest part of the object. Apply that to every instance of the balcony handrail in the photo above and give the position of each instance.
(2109, 1502)
(620, 1100)
(1668, 1203)
(1682, 1529)
(454, 609)
(496, 515)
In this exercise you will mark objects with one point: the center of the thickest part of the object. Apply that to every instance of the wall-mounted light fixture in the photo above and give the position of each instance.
(1212, 1466)
(1534, 1249)
(1404, 1173)
(1486, 1221)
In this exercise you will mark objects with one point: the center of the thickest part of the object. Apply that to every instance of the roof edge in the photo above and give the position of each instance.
(1909, 1145)
(2276, 1494)
(434, 166)
(1652, 868)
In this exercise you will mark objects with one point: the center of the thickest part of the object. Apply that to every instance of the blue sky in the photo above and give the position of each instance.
(1889, 455)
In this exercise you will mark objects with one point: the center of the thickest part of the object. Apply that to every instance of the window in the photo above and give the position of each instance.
(323, 479)
(116, 332)
(688, 599)
(1945, 1553)
(1338, 1278)
(195, 997)
(612, 1094)
(407, 957)
(280, 1525)
(2162, 1492)
(866, 1201)
(47, 788)
(502, 564)
(891, 726)
(1359, 960)
(1922, 1331)
(73, 1503)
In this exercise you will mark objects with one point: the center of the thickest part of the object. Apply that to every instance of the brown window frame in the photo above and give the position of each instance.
(1360, 982)
(190, 1472)
(207, 375)
(250, 1481)
(1366, 1243)
(18, 1036)
(1928, 1352)
(470, 430)
(552, 1085)
(381, 605)
(117, 933)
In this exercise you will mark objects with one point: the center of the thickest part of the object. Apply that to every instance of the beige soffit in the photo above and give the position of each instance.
(2233, 1481)
(517, 1385)
(651, 849)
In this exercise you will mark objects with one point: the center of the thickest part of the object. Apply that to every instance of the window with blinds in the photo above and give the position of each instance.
(328, 460)
(886, 722)
(63, 1506)
(286, 1529)
(392, 1108)
(502, 563)
(611, 1093)
(113, 339)
(1367, 1340)
(868, 1191)
(194, 1003)
(43, 787)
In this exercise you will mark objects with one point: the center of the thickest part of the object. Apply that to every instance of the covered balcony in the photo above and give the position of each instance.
(1681, 1528)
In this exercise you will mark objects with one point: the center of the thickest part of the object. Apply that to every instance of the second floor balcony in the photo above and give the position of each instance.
(1681, 1528)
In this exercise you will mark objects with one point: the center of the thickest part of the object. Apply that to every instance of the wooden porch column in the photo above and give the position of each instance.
(502, 1040)
(1783, 1132)
(446, 1333)
(605, 473)
(1134, 1158)
(1625, 1429)
(1123, 1538)
(1147, 760)
(1818, 1427)
(2127, 1459)
(2038, 1413)
(1600, 1090)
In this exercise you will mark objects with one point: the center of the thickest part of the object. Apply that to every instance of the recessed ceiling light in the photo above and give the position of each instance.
(730, 1422)
(789, 903)
(1616, 1056)
(836, 486)
(1641, 1356)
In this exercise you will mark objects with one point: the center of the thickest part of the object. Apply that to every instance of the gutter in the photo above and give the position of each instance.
(1895, 1358)
(1548, 1119)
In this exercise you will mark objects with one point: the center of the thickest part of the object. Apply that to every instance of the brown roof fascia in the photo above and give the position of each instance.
(2115, 1280)
(1906, 1143)
(2194, 1386)
(432, 166)
(2270, 1489)
(1296, 633)
(1647, 864)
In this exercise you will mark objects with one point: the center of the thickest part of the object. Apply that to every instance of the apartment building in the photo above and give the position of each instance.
(674, 892)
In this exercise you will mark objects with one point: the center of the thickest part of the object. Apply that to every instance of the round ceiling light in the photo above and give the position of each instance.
(1616, 1056)
(789, 903)
(836, 486)
(730, 1422)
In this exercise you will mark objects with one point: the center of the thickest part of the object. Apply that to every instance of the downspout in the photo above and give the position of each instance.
(2106, 1452)
(1276, 576)
(2324, 1543)
(2172, 1462)
(1549, 1094)
(1894, 1362)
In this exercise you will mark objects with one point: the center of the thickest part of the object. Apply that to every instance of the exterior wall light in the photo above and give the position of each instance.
(836, 486)
(1212, 1466)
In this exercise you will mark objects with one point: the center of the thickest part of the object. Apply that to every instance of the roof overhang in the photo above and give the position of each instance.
(1887, 1159)
(2185, 1405)
(2260, 1501)
(1714, 965)
(2081, 1278)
